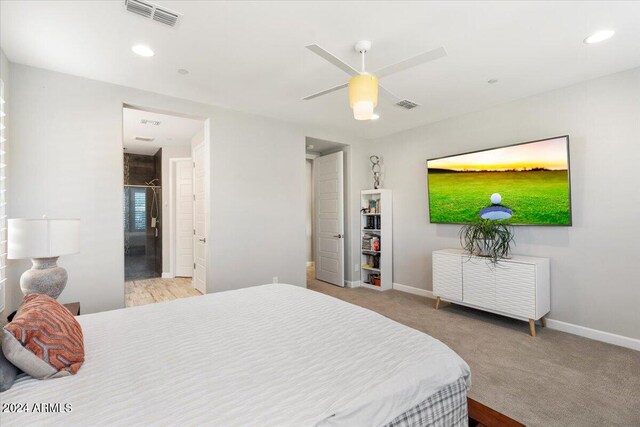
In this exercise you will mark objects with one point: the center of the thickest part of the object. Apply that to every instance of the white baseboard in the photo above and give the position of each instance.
(167, 276)
(594, 334)
(352, 284)
(570, 328)
(412, 290)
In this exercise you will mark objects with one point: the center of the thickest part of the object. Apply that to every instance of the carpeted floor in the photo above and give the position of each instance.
(554, 379)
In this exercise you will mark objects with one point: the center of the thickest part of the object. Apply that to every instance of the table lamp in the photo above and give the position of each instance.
(43, 240)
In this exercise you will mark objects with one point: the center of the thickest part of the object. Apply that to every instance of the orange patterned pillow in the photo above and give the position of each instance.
(44, 339)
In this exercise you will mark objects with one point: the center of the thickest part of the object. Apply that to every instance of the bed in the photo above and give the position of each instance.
(271, 355)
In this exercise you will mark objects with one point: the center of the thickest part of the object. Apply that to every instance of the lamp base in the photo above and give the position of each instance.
(44, 277)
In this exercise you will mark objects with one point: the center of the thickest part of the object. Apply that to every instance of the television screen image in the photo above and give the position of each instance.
(527, 183)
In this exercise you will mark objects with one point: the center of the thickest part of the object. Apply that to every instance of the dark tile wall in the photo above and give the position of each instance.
(145, 261)
(140, 169)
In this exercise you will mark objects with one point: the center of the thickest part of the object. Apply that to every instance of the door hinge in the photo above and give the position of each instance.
(194, 265)
(194, 231)
(194, 197)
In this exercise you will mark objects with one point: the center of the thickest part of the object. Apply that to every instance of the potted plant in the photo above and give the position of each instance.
(487, 238)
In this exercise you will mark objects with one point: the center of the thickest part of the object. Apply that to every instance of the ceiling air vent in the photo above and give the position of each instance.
(406, 104)
(165, 17)
(152, 11)
(144, 138)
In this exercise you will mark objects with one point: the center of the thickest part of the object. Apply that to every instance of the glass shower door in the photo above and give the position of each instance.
(142, 233)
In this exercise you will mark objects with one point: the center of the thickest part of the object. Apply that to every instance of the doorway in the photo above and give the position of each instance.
(327, 213)
(159, 204)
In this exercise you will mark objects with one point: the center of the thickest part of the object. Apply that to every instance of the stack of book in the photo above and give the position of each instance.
(366, 242)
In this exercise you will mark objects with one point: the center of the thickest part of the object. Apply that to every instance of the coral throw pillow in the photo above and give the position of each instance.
(44, 339)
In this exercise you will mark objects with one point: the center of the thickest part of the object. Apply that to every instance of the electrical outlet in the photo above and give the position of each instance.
(275, 279)
(356, 267)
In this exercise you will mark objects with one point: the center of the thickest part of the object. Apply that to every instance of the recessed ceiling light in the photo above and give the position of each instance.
(599, 36)
(143, 50)
(492, 81)
(374, 117)
(183, 71)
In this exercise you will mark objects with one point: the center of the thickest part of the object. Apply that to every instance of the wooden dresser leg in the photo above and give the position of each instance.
(437, 303)
(532, 327)
(543, 322)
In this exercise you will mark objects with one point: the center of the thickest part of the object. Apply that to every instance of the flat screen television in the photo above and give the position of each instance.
(527, 183)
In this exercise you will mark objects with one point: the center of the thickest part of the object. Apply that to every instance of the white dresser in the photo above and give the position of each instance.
(517, 287)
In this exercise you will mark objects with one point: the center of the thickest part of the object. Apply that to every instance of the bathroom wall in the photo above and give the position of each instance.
(140, 169)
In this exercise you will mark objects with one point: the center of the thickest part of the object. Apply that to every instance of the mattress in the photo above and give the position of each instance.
(272, 355)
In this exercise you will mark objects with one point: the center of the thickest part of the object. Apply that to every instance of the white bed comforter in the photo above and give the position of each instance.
(272, 355)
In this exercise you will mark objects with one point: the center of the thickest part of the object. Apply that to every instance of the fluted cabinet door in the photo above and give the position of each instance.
(447, 276)
(479, 282)
(515, 289)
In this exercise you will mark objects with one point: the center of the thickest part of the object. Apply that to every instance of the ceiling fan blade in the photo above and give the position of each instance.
(431, 55)
(333, 59)
(388, 94)
(324, 92)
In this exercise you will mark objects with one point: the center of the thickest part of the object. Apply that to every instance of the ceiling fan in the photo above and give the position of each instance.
(363, 86)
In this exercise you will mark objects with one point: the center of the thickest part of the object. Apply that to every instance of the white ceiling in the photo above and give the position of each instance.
(172, 132)
(250, 56)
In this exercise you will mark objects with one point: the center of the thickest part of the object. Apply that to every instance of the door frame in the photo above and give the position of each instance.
(207, 204)
(313, 158)
(206, 123)
(173, 165)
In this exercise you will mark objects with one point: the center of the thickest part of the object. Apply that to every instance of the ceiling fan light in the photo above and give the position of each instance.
(363, 95)
(363, 110)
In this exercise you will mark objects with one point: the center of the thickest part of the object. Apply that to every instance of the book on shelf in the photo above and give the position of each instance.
(372, 206)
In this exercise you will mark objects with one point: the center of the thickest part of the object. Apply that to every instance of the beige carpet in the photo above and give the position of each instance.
(555, 379)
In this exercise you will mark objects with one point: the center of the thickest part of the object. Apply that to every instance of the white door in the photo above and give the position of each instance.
(328, 182)
(199, 218)
(184, 218)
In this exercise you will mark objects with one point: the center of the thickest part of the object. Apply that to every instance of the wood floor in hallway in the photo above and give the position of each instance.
(149, 291)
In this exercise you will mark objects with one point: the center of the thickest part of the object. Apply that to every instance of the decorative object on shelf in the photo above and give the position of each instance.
(487, 238)
(375, 243)
(376, 169)
(43, 240)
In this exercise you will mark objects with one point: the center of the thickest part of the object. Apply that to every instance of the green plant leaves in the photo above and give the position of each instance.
(488, 238)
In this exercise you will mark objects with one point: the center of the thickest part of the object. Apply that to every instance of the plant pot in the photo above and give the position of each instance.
(485, 248)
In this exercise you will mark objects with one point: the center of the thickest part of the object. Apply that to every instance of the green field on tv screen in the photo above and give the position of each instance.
(532, 181)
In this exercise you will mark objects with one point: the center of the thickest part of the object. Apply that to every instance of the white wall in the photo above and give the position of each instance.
(169, 153)
(595, 269)
(4, 75)
(67, 162)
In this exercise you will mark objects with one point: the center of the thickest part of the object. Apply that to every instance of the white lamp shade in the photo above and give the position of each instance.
(363, 110)
(42, 238)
